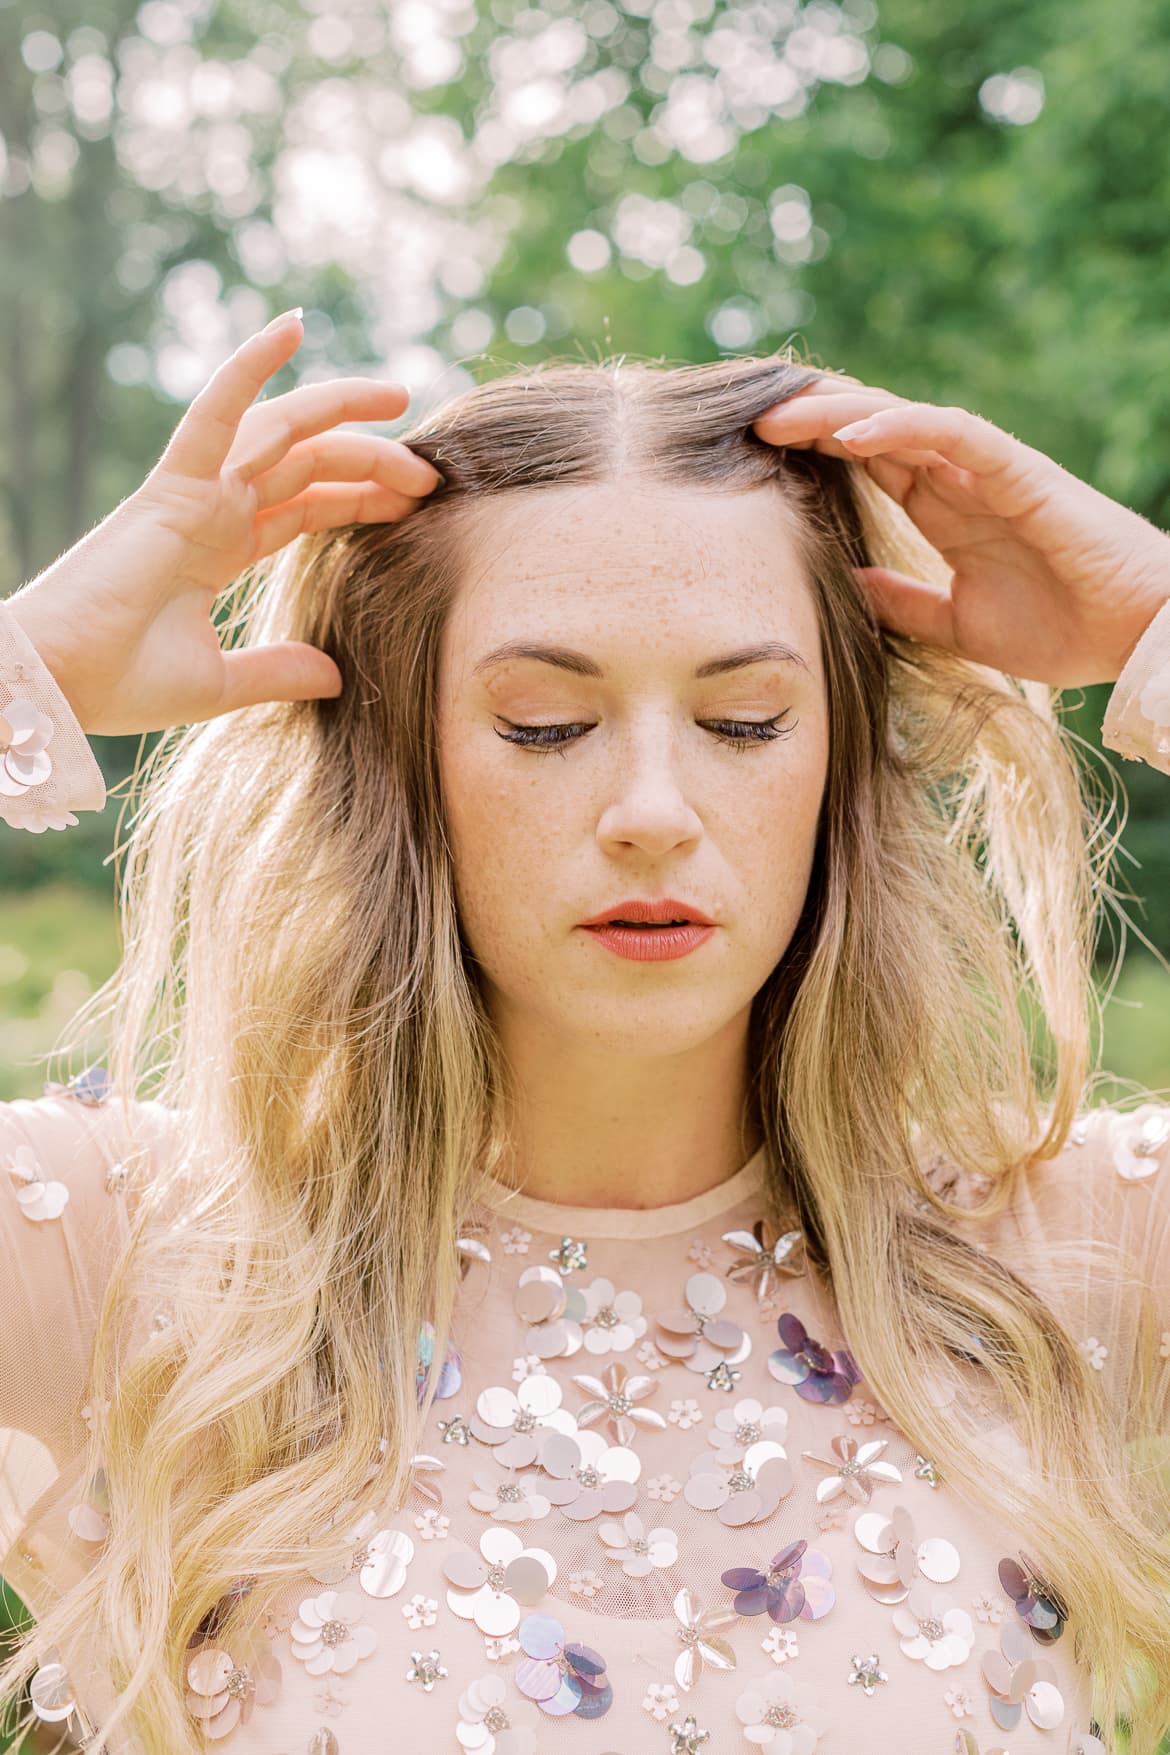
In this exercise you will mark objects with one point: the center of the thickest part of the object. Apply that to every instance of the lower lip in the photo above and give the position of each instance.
(650, 944)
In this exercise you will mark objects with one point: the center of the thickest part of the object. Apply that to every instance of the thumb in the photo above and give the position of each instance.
(287, 670)
(909, 606)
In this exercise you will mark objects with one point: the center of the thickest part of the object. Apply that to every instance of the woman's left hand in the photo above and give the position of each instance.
(1052, 580)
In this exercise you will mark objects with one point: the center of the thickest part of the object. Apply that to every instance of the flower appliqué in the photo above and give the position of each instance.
(330, 1633)
(699, 1336)
(490, 1587)
(223, 1688)
(508, 1497)
(587, 1476)
(36, 1197)
(935, 1631)
(562, 1676)
(516, 1422)
(641, 1551)
(24, 735)
(858, 1468)
(614, 1398)
(699, 1636)
(764, 1257)
(748, 1422)
(1020, 1682)
(796, 1582)
(490, 1724)
(614, 1319)
(779, 1715)
(894, 1556)
(816, 1373)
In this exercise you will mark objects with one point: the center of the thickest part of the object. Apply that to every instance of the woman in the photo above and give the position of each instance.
(515, 1331)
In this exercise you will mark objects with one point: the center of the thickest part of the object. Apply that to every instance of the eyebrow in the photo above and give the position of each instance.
(580, 663)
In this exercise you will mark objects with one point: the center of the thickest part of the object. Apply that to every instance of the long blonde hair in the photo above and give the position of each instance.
(295, 992)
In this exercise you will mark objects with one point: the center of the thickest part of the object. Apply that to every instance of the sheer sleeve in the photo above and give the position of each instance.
(47, 769)
(68, 1163)
(1137, 718)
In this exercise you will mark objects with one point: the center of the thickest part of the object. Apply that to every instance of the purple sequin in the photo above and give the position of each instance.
(796, 1583)
(816, 1374)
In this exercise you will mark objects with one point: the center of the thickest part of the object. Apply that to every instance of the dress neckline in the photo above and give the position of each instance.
(513, 1205)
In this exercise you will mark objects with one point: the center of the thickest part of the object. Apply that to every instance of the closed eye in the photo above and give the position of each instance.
(738, 734)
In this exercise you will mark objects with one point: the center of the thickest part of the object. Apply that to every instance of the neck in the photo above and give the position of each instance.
(588, 1128)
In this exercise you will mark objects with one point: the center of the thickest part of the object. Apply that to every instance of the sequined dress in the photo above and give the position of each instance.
(663, 1510)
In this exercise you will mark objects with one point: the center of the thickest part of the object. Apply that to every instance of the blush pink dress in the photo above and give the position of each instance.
(663, 1510)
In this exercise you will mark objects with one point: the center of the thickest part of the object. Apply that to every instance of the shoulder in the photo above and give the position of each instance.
(78, 1143)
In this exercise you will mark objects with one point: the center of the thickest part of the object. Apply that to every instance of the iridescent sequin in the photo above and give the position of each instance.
(816, 1373)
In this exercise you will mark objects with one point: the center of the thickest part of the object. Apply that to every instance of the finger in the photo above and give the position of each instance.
(329, 508)
(346, 457)
(909, 606)
(278, 425)
(1001, 462)
(818, 409)
(288, 670)
(807, 422)
(200, 443)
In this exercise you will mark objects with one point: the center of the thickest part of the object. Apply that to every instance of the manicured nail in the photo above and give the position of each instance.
(297, 311)
(858, 429)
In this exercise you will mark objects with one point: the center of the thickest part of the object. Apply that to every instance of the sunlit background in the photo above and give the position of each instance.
(964, 204)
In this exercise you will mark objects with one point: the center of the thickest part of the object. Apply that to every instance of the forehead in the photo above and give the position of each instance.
(611, 561)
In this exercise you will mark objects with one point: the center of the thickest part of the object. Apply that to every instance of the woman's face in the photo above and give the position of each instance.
(639, 587)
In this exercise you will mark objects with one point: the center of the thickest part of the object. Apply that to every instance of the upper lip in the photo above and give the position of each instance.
(638, 908)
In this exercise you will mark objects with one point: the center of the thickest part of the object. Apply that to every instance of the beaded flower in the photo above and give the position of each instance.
(894, 1556)
(745, 1493)
(223, 1688)
(699, 1638)
(614, 1319)
(1137, 1138)
(816, 1373)
(640, 1550)
(1020, 1682)
(490, 1724)
(330, 1634)
(934, 1630)
(562, 1676)
(24, 733)
(554, 1310)
(613, 1399)
(1036, 1602)
(764, 1257)
(699, 1336)
(747, 1423)
(587, 1476)
(380, 1557)
(515, 1422)
(507, 1497)
(36, 1196)
(779, 1715)
(857, 1468)
(796, 1583)
(490, 1587)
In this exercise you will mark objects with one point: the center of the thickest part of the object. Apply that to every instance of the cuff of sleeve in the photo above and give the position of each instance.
(1137, 718)
(49, 736)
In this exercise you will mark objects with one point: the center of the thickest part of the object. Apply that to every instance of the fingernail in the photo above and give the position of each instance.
(297, 311)
(858, 429)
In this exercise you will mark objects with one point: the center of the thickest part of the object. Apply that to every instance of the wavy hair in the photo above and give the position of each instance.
(295, 992)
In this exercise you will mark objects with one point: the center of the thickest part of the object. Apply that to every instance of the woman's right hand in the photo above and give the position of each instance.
(123, 618)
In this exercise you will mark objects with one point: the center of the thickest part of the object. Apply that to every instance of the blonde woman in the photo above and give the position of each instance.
(612, 1252)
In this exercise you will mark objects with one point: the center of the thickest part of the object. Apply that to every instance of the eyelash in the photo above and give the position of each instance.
(761, 731)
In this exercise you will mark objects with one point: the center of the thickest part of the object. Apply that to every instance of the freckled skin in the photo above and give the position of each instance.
(629, 1077)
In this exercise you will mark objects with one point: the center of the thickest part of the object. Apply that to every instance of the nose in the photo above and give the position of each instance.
(648, 805)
